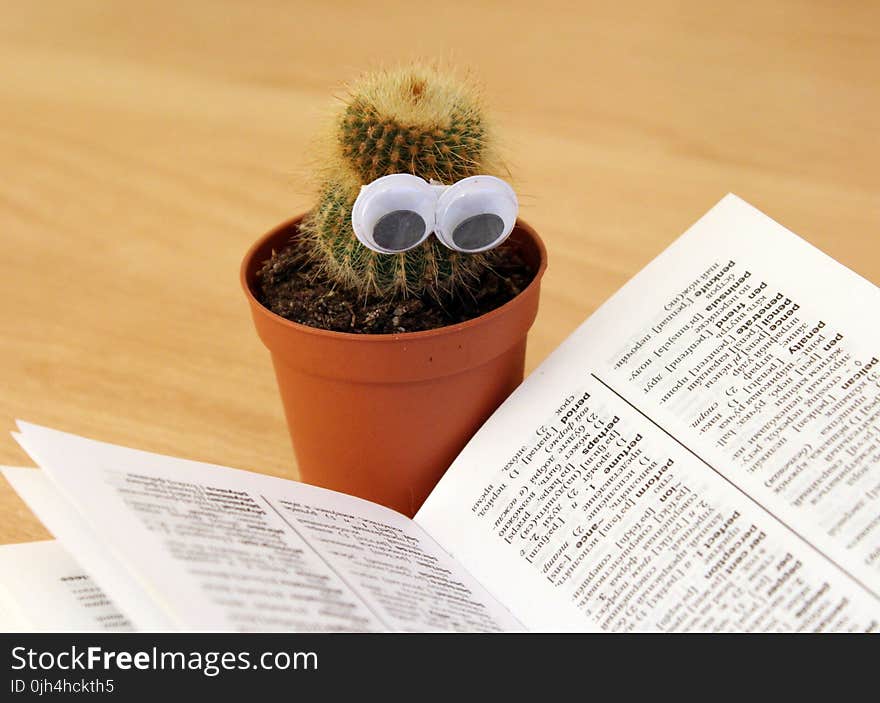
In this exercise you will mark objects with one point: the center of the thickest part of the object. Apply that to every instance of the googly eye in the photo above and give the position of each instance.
(476, 214)
(394, 213)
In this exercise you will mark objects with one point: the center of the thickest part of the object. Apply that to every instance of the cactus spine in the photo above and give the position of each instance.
(417, 119)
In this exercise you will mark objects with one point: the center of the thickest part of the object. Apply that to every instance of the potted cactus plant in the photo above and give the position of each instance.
(396, 310)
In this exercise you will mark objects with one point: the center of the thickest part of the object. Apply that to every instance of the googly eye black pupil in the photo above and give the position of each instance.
(399, 230)
(478, 231)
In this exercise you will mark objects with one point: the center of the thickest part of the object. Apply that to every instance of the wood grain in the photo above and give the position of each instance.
(144, 146)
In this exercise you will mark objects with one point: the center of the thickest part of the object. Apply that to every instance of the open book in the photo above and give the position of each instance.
(703, 453)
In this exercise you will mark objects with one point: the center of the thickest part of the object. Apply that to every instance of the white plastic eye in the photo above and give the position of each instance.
(394, 213)
(476, 214)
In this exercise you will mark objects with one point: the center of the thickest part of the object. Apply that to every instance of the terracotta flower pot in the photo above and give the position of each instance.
(382, 416)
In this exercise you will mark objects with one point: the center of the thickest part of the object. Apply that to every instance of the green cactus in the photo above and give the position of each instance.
(419, 120)
(376, 145)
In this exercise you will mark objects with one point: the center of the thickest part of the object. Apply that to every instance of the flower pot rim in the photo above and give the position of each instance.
(386, 338)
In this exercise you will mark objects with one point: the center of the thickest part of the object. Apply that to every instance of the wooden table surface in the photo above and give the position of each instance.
(144, 146)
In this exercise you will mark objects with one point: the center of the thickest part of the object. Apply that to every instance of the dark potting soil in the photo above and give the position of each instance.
(289, 287)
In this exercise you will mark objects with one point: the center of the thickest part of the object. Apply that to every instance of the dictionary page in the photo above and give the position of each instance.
(93, 555)
(223, 549)
(703, 453)
(42, 589)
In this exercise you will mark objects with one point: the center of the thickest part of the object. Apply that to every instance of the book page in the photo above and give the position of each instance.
(42, 589)
(96, 558)
(703, 453)
(223, 549)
